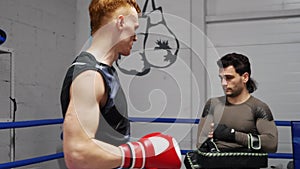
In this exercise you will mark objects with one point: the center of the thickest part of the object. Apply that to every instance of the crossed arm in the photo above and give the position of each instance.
(267, 132)
(268, 135)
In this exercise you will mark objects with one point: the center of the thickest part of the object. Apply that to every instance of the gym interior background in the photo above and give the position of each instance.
(46, 35)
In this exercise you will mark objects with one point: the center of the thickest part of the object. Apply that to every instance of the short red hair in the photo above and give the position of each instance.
(101, 11)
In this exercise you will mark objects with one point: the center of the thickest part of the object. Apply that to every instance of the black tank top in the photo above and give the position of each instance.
(114, 126)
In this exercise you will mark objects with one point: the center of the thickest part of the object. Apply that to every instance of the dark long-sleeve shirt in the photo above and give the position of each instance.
(252, 116)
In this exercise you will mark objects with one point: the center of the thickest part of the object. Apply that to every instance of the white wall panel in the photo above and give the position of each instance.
(221, 7)
(277, 31)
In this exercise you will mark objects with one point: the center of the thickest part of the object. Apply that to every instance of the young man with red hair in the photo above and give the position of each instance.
(96, 128)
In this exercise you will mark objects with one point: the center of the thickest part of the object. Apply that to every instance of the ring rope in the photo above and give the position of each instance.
(31, 161)
(186, 120)
(32, 123)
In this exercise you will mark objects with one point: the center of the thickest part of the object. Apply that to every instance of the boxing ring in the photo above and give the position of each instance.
(295, 128)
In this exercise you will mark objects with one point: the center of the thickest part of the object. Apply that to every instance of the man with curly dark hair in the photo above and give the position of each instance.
(238, 121)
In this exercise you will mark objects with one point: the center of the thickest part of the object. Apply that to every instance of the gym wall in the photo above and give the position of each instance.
(42, 35)
(46, 36)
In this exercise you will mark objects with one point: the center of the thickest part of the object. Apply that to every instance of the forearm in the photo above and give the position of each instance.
(241, 138)
(268, 136)
(91, 154)
(204, 127)
(113, 153)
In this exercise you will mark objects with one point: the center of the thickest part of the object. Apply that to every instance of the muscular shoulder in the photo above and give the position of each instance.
(260, 109)
(87, 83)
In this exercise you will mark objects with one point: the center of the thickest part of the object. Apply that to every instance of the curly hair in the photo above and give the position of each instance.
(102, 10)
(241, 64)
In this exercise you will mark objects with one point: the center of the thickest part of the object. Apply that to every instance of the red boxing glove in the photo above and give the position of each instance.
(154, 150)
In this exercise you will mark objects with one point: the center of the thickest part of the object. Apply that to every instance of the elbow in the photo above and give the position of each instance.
(75, 158)
(271, 148)
(270, 143)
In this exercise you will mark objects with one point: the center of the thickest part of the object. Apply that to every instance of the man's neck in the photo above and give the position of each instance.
(243, 97)
(103, 45)
(103, 56)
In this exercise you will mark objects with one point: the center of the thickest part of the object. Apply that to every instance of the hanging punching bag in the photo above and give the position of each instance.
(160, 46)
